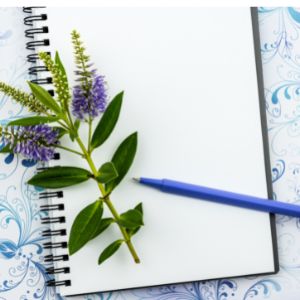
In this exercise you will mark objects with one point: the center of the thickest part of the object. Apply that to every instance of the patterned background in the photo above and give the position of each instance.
(22, 272)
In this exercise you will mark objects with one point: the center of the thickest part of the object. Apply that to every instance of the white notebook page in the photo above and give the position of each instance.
(191, 93)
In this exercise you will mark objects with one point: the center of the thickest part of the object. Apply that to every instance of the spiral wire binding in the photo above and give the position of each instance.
(32, 20)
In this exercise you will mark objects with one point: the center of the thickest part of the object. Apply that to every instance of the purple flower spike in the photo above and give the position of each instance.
(35, 142)
(85, 106)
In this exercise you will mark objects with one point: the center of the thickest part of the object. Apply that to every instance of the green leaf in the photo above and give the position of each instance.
(107, 122)
(133, 231)
(63, 79)
(43, 96)
(131, 219)
(139, 207)
(72, 136)
(77, 124)
(33, 121)
(57, 177)
(107, 173)
(123, 159)
(61, 131)
(6, 149)
(109, 251)
(84, 226)
(101, 226)
(59, 64)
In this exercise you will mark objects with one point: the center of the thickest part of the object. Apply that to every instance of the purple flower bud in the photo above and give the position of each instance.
(91, 105)
(35, 142)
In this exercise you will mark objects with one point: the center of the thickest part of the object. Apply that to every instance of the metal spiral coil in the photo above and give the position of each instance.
(52, 207)
(49, 258)
(45, 195)
(50, 245)
(37, 35)
(59, 283)
(58, 270)
(33, 44)
(48, 220)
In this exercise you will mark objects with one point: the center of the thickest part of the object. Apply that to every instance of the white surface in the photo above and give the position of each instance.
(187, 73)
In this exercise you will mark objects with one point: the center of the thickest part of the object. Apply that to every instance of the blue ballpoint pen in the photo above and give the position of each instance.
(219, 196)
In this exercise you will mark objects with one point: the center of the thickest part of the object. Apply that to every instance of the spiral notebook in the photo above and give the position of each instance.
(193, 91)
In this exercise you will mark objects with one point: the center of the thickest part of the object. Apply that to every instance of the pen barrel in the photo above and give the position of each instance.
(229, 198)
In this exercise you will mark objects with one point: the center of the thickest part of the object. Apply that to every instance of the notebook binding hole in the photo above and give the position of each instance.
(36, 33)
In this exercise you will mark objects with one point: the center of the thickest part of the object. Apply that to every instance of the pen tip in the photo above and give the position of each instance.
(137, 179)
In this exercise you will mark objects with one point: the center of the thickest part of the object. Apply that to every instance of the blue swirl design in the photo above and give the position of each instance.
(262, 288)
(288, 90)
(287, 93)
(104, 296)
(8, 159)
(23, 255)
(213, 290)
(273, 108)
(294, 187)
(224, 289)
(7, 248)
(263, 10)
(282, 42)
(295, 15)
(280, 129)
(278, 170)
(283, 220)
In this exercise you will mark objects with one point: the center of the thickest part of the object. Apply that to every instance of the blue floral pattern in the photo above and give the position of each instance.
(22, 273)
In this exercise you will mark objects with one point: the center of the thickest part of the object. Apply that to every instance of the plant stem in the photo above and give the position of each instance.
(59, 122)
(63, 125)
(90, 135)
(124, 233)
(107, 201)
(69, 149)
(70, 119)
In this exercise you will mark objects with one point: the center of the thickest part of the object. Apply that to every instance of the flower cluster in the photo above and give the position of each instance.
(35, 142)
(89, 96)
(90, 105)
(23, 98)
(59, 78)
(82, 61)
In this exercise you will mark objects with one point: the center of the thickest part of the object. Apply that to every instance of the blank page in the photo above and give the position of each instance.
(191, 92)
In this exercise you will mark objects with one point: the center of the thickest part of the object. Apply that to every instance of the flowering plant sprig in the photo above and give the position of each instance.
(36, 138)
